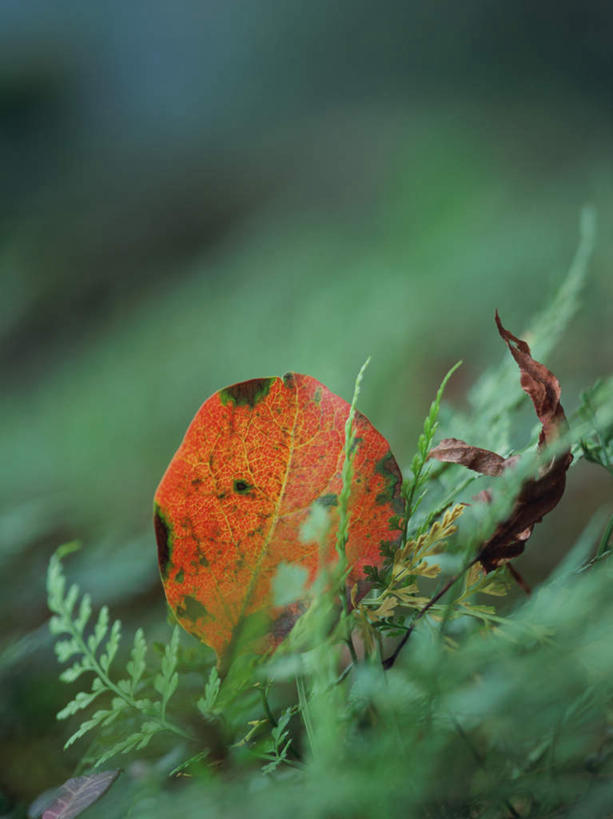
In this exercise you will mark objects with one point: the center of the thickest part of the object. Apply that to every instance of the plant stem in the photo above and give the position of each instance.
(343, 510)
(389, 662)
(269, 714)
(423, 448)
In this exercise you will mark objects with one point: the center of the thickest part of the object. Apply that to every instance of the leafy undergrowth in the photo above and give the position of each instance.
(430, 695)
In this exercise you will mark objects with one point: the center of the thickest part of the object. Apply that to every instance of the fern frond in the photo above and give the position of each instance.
(137, 664)
(412, 488)
(95, 653)
(206, 704)
(166, 681)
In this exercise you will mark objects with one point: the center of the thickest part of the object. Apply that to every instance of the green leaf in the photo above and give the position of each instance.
(85, 610)
(166, 681)
(56, 625)
(71, 599)
(136, 665)
(65, 649)
(111, 647)
(81, 701)
(71, 674)
(100, 629)
(206, 704)
(412, 489)
(126, 745)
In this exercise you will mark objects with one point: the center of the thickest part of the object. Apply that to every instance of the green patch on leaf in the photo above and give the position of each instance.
(191, 609)
(388, 468)
(164, 538)
(246, 393)
(328, 500)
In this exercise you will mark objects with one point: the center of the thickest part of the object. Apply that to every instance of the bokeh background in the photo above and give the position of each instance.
(195, 193)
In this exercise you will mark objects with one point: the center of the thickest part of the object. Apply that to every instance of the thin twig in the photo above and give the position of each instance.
(389, 662)
(269, 714)
(518, 578)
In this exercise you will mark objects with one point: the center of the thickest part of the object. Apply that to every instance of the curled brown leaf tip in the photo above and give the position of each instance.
(454, 451)
(537, 496)
(539, 383)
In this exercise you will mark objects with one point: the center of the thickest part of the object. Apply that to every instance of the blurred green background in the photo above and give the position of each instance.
(199, 193)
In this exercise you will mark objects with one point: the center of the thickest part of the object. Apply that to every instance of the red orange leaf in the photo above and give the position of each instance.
(230, 506)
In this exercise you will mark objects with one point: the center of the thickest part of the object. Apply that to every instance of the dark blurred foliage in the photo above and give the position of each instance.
(196, 193)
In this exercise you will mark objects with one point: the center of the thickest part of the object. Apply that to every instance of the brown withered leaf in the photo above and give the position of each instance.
(454, 451)
(537, 496)
(540, 384)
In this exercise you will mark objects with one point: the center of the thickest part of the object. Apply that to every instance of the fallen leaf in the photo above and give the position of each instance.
(79, 793)
(231, 505)
(537, 496)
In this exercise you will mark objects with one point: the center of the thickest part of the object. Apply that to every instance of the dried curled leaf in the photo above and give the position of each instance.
(540, 384)
(539, 495)
(231, 505)
(484, 461)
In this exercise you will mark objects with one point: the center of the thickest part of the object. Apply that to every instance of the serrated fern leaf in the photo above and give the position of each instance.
(136, 666)
(85, 611)
(111, 647)
(82, 700)
(206, 704)
(73, 673)
(281, 742)
(101, 718)
(167, 680)
(94, 653)
(412, 488)
(100, 630)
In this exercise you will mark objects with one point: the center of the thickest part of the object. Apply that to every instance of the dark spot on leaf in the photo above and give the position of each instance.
(328, 500)
(246, 393)
(317, 395)
(163, 536)
(191, 609)
(180, 576)
(284, 623)
(203, 560)
(357, 442)
(196, 481)
(388, 468)
(288, 380)
(242, 487)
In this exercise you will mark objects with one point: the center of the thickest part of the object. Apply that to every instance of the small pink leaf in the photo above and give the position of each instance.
(79, 793)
